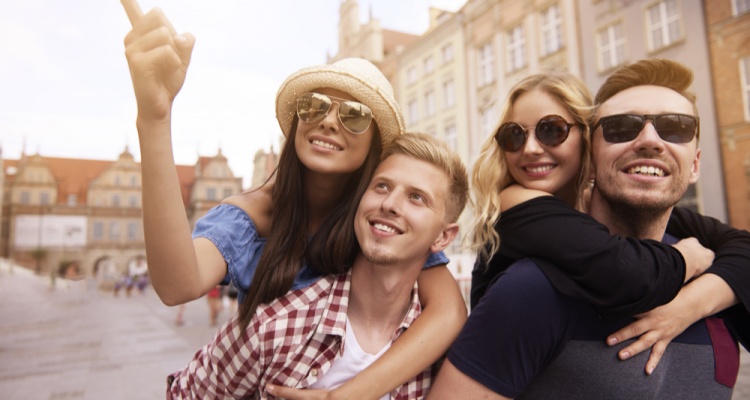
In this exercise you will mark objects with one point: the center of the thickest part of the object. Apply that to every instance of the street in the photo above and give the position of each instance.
(77, 342)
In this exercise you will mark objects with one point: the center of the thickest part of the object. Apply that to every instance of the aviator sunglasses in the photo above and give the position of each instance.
(550, 131)
(354, 116)
(673, 128)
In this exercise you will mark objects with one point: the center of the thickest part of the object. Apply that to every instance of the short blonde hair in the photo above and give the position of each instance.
(434, 151)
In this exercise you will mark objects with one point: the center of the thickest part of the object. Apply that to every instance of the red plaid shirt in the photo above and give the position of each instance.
(290, 342)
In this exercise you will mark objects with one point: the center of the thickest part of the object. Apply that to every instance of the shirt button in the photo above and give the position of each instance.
(314, 372)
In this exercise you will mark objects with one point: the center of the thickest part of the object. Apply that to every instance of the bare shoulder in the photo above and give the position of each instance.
(258, 204)
(517, 194)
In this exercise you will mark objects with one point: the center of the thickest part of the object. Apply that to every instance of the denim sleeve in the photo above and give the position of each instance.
(234, 234)
(436, 259)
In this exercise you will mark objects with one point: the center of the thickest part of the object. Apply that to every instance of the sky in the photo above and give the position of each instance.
(65, 89)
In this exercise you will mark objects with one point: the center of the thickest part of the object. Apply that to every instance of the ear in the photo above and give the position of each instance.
(445, 237)
(695, 170)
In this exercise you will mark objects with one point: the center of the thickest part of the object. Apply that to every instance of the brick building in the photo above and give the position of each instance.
(728, 26)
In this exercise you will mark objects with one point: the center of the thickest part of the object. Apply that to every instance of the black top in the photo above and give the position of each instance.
(618, 276)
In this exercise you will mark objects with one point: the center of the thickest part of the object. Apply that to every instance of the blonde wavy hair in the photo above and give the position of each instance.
(490, 174)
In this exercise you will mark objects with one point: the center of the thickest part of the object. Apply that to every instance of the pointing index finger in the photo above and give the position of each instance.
(133, 10)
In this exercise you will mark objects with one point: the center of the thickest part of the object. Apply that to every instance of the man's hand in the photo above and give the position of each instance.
(158, 58)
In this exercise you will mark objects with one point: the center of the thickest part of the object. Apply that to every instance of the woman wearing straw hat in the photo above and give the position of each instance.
(336, 118)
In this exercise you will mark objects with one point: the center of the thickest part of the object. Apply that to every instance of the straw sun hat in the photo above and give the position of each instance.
(355, 76)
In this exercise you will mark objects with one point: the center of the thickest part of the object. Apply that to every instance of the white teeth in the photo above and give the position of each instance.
(646, 170)
(324, 144)
(543, 168)
(384, 228)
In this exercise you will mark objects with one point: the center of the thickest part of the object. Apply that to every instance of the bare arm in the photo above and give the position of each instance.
(158, 59)
(424, 343)
(705, 296)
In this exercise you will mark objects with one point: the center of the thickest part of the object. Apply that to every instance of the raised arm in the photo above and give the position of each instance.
(158, 58)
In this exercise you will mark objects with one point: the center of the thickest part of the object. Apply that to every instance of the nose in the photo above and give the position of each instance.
(532, 146)
(648, 139)
(331, 120)
(391, 203)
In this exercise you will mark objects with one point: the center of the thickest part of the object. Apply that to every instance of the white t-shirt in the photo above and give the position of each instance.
(353, 361)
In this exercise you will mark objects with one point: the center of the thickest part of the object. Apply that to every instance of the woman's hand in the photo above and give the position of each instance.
(654, 329)
(697, 258)
(158, 58)
(705, 296)
(301, 394)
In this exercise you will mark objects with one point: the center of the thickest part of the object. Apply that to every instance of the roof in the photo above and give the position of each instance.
(74, 175)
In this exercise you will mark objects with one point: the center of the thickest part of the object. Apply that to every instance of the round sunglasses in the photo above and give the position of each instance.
(354, 116)
(550, 131)
(673, 127)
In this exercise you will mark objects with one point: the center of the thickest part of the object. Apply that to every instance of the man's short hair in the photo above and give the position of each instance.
(651, 71)
(434, 151)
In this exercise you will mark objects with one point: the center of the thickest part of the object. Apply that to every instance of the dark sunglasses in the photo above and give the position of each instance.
(550, 131)
(354, 116)
(673, 128)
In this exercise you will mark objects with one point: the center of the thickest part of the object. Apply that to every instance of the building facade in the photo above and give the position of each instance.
(728, 26)
(60, 211)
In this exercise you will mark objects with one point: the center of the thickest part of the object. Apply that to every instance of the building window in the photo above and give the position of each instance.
(44, 198)
(132, 231)
(446, 53)
(429, 65)
(610, 43)
(485, 62)
(211, 194)
(411, 75)
(551, 25)
(429, 103)
(486, 122)
(663, 22)
(741, 6)
(114, 231)
(413, 112)
(227, 192)
(133, 201)
(98, 231)
(745, 82)
(25, 198)
(134, 180)
(117, 180)
(116, 200)
(451, 136)
(516, 43)
(72, 200)
(449, 93)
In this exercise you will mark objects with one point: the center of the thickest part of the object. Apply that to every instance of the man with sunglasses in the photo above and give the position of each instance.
(527, 340)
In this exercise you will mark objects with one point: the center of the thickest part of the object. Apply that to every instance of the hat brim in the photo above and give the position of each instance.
(385, 110)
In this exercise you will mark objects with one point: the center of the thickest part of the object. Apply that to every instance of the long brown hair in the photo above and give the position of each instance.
(330, 250)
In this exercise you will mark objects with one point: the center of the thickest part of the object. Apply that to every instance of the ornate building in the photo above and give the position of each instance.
(58, 211)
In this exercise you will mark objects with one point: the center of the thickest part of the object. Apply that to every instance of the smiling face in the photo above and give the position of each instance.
(646, 173)
(401, 216)
(536, 166)
(326, 147)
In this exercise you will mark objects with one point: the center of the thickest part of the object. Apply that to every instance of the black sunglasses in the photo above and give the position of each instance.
(354, 116)
(550, 131)
(673, 128)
